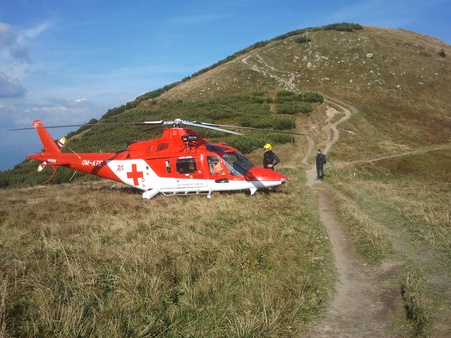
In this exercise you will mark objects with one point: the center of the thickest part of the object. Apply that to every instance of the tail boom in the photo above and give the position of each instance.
(52, 156)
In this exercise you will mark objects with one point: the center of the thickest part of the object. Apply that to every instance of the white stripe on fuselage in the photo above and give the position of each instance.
(137, 173)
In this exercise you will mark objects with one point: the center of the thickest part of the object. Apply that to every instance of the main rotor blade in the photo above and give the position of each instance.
(96, 125)
(250, 128)
(176, 123)
(62, 126)
(209, 126)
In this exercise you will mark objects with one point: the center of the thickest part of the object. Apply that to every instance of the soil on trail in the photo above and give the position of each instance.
(366, 302)
(366, 299)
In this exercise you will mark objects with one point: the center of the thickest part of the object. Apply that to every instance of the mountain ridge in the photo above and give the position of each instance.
(397, 79)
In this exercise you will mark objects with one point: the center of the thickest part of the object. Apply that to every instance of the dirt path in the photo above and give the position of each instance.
(413, 152)
(332, 131)
(365, 299)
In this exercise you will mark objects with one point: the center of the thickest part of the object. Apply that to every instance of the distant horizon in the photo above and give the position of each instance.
(11, 157)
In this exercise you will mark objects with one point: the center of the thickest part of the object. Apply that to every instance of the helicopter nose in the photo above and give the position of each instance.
(266, 175)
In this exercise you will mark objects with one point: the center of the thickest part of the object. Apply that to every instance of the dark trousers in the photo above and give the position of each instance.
(319, 172)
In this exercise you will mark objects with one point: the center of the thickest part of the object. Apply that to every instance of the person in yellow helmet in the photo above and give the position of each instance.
(270, 159)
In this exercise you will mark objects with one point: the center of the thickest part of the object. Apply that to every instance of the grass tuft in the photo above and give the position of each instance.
(415, 304)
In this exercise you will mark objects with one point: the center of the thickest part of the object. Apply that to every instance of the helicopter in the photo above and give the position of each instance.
(178, 162)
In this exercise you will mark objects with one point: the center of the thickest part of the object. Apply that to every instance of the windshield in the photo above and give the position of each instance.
(237, 163)
(215, 147)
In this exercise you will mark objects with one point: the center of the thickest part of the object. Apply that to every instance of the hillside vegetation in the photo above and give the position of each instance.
(87, 259)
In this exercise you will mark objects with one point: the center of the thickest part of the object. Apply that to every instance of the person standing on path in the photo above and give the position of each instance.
(320, 162)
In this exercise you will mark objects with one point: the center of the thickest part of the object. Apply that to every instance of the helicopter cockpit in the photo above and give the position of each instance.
(236, 163)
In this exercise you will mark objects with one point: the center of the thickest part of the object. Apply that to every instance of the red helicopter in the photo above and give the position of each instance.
(179, 162)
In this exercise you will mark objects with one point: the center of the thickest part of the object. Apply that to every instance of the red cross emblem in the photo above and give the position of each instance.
(135, 174)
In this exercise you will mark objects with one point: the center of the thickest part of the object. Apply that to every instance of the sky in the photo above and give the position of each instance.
(68, 61)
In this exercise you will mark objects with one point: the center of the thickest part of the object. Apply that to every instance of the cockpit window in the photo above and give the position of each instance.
(237, 163)
(215, 165)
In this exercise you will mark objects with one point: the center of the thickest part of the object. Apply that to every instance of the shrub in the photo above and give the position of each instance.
(294, 107)
(288, 96)
(267, 121)
(114, 111)
(280, 122)
(246, 144)
(284, 94)
(302, 39)
(262, 120)
(343, 27)
(312, 97)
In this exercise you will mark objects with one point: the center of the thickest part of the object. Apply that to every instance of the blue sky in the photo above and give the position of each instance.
(67, 61)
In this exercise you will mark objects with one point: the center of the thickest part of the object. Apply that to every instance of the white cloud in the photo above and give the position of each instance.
(13, 44)
(35, 31)
(10, 87)
(15, 60)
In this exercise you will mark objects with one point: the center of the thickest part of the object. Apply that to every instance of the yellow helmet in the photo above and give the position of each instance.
(267, 146)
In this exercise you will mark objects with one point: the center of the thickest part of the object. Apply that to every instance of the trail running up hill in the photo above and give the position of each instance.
(364, 303)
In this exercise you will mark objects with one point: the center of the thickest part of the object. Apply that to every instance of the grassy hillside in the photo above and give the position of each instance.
(396, 79)
(82, 259)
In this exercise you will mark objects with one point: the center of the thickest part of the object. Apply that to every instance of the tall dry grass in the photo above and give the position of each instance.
(407, 198)
(80, 260)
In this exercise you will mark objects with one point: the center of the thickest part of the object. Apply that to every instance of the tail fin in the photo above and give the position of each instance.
(50, 146)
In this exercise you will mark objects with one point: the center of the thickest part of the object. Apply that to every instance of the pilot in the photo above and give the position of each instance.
(217, 167)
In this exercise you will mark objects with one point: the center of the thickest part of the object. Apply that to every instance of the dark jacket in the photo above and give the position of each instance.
(270, 158)
(320, 160)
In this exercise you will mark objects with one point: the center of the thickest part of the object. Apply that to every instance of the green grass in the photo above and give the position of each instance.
(369, 238)
(407, 199)
(417, 306)
(78, 260)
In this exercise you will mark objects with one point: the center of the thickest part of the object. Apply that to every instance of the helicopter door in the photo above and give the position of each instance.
(190, 177)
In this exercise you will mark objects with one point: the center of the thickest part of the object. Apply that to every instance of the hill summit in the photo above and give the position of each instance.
(397, 79)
